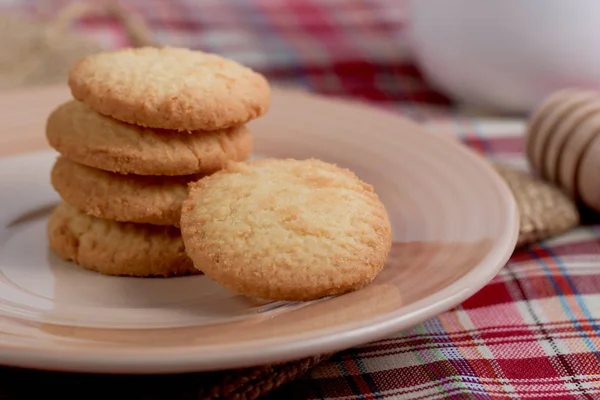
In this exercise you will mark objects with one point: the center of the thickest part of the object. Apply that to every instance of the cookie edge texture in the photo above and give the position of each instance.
(66, 245)
(235, 143)
(69, 181)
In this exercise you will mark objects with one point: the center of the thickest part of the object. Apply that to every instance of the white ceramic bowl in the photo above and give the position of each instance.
(506, 55)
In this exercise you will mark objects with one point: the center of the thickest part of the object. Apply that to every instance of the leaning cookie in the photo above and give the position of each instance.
(170, 88)
(84, 136)
(117, 248)
(127, 198)
(286, 229)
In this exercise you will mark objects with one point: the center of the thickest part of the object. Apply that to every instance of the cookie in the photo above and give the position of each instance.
(117, 248)
(170, 88)
(288, 229)
(128, 198)
(84, 136)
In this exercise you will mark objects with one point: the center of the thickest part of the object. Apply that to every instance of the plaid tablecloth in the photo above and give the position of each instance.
(534, 331)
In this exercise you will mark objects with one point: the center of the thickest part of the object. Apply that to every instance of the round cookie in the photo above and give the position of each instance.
(84, 136)
(128, 198)
(170, 88)
(117, 248)
(286, 229)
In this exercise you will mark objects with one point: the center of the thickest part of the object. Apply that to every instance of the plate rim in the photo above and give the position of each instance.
(169, 360)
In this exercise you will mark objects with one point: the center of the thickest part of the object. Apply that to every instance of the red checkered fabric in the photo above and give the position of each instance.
(531, 333)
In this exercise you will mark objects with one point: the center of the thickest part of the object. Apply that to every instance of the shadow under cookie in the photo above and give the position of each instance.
(117, 248)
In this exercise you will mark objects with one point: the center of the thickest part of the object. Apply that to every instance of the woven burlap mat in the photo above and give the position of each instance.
(40, 52)
(40, 49)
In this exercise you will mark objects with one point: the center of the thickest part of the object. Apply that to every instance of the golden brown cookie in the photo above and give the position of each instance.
(84, 136)
(128, 198)
(170, 88)
(286, 229)
(117, 248)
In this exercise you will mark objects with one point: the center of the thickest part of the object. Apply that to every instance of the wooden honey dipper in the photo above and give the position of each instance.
(563, 144)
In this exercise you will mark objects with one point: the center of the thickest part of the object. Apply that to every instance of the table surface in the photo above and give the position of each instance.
(534, 331)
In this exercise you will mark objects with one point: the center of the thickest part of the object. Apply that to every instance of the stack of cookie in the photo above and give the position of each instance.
(142, 124)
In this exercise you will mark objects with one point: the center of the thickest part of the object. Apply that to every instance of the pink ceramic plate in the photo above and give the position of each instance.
(454, 223)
